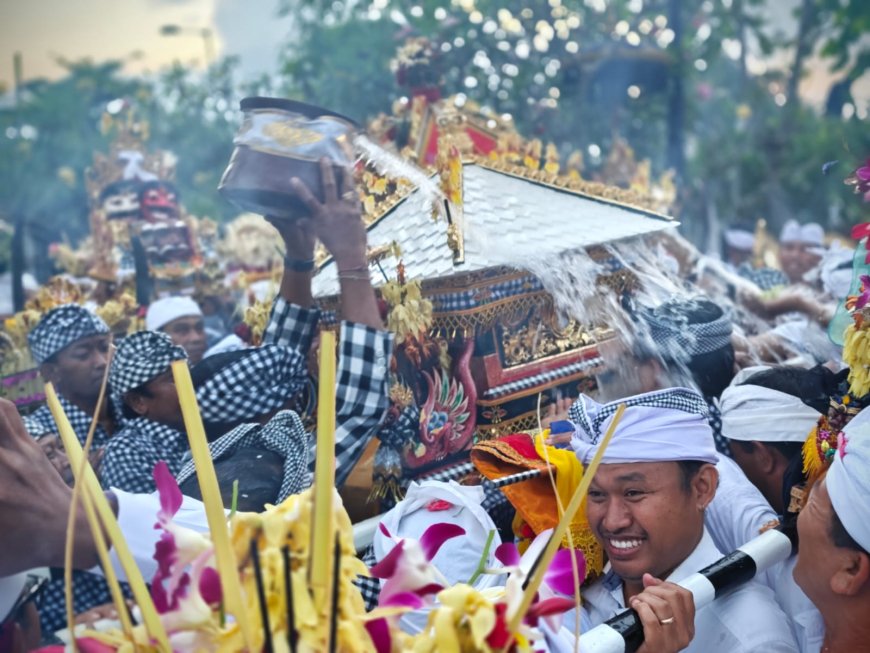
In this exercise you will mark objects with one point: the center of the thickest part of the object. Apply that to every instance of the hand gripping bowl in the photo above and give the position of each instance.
(278, 140)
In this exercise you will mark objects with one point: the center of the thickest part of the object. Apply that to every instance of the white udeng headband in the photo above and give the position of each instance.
(751, 412)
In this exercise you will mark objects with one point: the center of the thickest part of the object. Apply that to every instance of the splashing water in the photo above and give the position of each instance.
(396, 167)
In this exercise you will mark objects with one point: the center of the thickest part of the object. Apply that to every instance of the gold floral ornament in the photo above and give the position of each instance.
(121, 314)
(56, 292)
(410, 315)
(257, 319)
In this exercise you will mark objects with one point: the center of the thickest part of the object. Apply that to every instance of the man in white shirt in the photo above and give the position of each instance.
(833, 564)
(646, 507)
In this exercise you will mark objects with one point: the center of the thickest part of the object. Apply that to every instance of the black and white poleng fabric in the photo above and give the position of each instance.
(140, 358)
(61, 327)
(672, 334)
(78, 419)
(132, 453)
(283, 435)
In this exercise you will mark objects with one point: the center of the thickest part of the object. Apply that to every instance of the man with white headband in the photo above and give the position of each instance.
(767, 414)
(646, 507)
(833, 565)
(182, 320)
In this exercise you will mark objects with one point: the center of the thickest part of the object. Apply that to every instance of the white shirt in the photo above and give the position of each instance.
(806, 621)
(739, 509)
(747, 620)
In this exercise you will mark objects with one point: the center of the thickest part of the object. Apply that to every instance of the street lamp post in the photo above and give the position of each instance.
(203, 32)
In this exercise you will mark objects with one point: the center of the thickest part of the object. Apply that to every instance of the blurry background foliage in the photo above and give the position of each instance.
(687, 83)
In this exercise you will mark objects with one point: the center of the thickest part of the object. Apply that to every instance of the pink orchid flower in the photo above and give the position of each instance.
(407, 569)
(183, 598)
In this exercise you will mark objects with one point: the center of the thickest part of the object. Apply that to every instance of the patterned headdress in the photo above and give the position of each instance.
(246, 384)
(141, 357)
(283, 435)
(61, 327)
(675, 337)
(665, 425)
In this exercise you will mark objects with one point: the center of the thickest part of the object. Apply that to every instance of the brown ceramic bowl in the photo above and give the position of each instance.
(279, 140)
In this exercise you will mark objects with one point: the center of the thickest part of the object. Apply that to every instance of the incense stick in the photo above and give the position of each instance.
(261, 596)
(543, 561)
(333, 616)
(288, 593)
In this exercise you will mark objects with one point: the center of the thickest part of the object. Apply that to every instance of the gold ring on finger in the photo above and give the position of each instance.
(666, 622)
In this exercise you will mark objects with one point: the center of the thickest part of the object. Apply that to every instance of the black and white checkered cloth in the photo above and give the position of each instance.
(247, 384)
(132, 453)
(714, 417)
(79, 420)
(682, 399)
(369, 587)
(61, 327)
(89, 591)
(141, 357)
(545, 377)
(445, 474)
(361, 393)
(519, 477)
(675, 338)
(291, 326)
(764, 278)
(283, 435)
(361, 377)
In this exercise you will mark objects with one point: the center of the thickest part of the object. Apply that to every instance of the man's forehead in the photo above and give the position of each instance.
(634, 472)
(88, 342)
(185, 320)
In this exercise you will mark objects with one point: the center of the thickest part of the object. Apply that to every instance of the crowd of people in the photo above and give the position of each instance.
(728, 430)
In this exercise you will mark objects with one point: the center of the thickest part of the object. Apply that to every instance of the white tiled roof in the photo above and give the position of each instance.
(507, 220)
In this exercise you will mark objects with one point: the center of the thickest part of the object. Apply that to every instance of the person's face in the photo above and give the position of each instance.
(644, 518)
(737, 257)
(188, 333)
(159, 402)
(78, 370)
(796, 260)
(817, 560)
(54, 452)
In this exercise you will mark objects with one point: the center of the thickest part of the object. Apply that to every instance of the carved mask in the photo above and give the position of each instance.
(159, 201)
(120, 200)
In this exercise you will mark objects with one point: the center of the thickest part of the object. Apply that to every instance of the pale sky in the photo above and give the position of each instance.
(42, 30)
(129, 29)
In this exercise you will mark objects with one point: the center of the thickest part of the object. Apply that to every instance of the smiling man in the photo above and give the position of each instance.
(646, 507)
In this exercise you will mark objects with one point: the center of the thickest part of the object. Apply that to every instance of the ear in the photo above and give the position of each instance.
(704, 485)
(137, 403)
(765, 457)
(853, 575)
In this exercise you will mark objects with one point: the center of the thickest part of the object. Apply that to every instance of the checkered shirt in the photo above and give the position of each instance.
(361, 377)
(140, 358)
(61, 327)
(681, 399)
(764, 278)
(361, 393)
(283, 434)
(79, 419)
(131, 454)
(89, 591)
